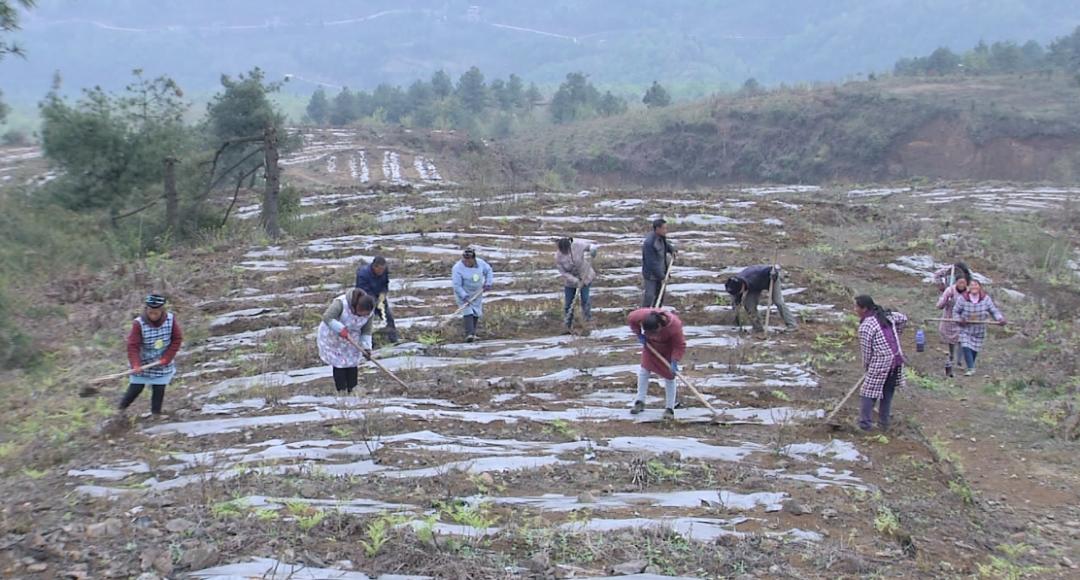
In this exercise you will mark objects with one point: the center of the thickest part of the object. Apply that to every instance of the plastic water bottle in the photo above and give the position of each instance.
(920, 340)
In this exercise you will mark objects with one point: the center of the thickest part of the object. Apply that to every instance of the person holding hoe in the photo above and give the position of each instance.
(471, 278)
(746, 288)
(663, 330)
(346, 321)
(574, 262)
(974, 311)
(152, 344)
(883, 360)
(655, 264)
(374, 279)
(948, 328)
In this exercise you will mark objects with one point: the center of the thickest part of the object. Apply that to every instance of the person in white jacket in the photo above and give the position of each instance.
(472, 277)
(574, 261)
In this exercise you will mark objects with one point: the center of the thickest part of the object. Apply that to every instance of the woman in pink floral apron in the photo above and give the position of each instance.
(346, 321)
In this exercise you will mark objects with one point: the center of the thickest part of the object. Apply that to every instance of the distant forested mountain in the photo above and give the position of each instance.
(692, 46)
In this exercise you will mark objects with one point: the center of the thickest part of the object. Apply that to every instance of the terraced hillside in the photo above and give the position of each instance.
(516, 456)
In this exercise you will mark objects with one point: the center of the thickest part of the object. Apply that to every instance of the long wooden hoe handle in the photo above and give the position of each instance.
(377, 363)
(685, 382)
(467, 304)
(959, 321)
(115, 376)
(840, 405)
(663, 286)
(768, 312)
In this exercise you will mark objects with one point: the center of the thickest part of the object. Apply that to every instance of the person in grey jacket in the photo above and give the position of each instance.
(574, 261)
(655, 263)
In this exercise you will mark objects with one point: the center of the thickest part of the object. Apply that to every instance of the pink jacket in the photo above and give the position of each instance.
(950, 331)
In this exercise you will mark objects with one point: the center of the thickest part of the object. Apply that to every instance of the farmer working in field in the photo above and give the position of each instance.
(746, 288)
(655, 262)
(152, 345)
(664, 332)
(374, 279)
(974, 310)
(574, 261)
(472, 277)
(883, 359)
(345, 326)
(957, 277)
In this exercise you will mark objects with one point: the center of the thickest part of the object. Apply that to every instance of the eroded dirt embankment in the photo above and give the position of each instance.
(998, 129)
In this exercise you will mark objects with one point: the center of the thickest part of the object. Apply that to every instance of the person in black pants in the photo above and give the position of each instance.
(152, 344)
(655, 262)
(374, 280)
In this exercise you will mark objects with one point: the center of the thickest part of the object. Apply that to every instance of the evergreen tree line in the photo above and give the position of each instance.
(471, 103)
(998, 57)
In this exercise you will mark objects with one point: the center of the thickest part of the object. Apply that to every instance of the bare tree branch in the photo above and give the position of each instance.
(236, 192)
(225, 145)
(145, 207)
(226, 173)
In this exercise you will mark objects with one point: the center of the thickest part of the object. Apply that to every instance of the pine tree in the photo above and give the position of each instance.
(501, 95)
(515, 92)
(318, 107)
(343, 111)
(441, 84)
(611, 105)
(533, 96)
(471, 90)
(656, 96)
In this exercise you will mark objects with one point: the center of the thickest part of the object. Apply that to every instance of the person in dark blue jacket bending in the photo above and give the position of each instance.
(374, 279)
(746, 288)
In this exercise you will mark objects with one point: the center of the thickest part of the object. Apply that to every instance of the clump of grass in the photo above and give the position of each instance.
(228, 509)
(561, 428)
(430, 338)
(922, 381)
(886, 521)
(477, 515)
(660, 471)
(1006, 567)
(963, 491)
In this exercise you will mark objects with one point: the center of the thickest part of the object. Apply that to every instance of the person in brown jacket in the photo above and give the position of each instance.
(662, 330)
(574, 261)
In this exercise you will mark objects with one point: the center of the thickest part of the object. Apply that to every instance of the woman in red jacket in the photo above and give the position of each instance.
(664, 332)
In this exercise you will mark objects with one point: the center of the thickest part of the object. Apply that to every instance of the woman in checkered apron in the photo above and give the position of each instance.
(154, 339)
(976, 305)
(883, 359)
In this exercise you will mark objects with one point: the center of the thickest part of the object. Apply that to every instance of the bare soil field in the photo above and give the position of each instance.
(516, 456)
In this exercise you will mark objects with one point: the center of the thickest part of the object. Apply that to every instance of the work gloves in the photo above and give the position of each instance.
(344, 333)
(487, 287)
(674, 367)
(641, 339)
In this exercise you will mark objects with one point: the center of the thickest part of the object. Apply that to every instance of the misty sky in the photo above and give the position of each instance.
(695, 47)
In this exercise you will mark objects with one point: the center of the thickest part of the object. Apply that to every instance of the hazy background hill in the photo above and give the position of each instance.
(695, 47)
